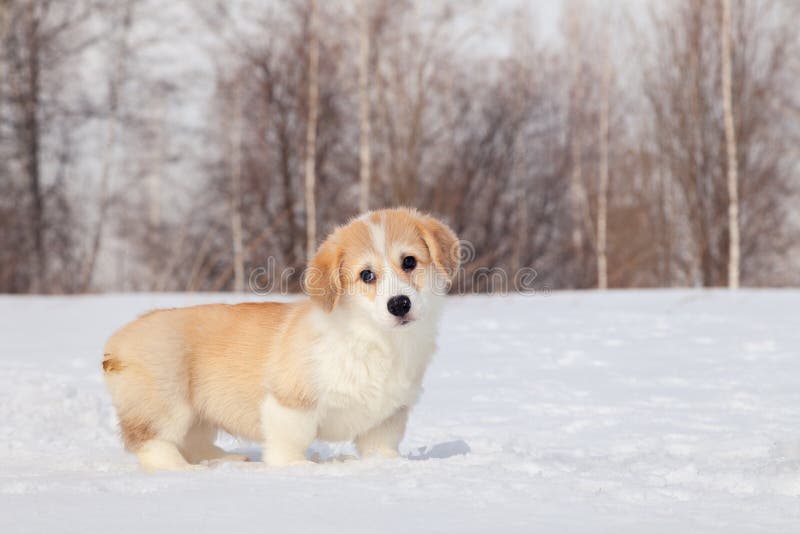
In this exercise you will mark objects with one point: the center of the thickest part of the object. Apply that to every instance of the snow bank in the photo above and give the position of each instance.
(656, 411)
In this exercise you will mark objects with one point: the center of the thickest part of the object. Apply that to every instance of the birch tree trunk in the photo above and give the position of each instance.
(602, 193)
(235, 162)
(5, 22)
(154, 173)
(157, 167)
(730, 141)
(311, 132)
(112, 126)
(518, 149)
(30, 102)
(576, 179)
(522, 209)
(364, 107)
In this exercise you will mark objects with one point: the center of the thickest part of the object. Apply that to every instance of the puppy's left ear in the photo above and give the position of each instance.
(323, 277)
(442, 244)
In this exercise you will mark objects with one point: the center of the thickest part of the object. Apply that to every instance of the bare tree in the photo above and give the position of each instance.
(577, 34)
(521, 43)
(311, 133)
(576, 97)
(682, 82)
(31, 92)
(730, 145)
(365, 153)
(116, 82)
(595, 167)
(235, 164)
(602, 193)
(42, 42)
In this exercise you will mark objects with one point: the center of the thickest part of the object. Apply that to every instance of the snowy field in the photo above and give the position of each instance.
(657, 411)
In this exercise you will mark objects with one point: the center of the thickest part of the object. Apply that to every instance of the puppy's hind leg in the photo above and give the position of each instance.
(155, 439)
(199, 445)
(152, 406)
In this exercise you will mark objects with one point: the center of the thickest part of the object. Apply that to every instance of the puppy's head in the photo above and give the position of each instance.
(388, 265)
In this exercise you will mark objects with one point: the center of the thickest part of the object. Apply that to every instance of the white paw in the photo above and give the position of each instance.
(195, 467)
(282, 460)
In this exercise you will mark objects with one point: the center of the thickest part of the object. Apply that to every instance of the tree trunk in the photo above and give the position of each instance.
(311, 132)
(32, 139)
(602, 193)
(730, 141)
(517, 150)
(292, 236)
(364, 107)
(235, 161)
(154, 192)
(154, 176)
(5, 23)
(576, 179)
(117, 80)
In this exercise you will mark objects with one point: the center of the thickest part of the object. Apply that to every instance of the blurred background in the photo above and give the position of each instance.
(181, 146)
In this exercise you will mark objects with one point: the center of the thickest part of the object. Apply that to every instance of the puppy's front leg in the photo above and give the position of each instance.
(385, 438)
(288, 432)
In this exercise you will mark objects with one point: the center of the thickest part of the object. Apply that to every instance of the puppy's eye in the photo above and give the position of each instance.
(367, 276)
(409, 263)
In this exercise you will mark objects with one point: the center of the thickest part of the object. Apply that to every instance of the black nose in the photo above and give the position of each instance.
(399, 305)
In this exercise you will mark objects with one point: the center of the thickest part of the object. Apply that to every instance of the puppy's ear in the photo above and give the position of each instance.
(323, 277)
(442, 244)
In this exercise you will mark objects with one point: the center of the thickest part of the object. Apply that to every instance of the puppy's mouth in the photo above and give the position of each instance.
(402, 321)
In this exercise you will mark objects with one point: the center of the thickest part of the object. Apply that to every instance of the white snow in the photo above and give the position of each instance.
(636, 411)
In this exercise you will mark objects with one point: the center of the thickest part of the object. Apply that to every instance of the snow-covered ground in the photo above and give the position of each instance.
(657, 411)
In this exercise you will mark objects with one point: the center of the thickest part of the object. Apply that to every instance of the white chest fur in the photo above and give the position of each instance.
(364, 375)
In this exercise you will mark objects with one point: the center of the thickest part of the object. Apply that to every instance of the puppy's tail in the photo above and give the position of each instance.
(111, 364)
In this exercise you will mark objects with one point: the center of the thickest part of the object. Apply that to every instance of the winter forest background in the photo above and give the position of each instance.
(171, 146)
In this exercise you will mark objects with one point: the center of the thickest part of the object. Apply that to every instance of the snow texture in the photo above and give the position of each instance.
(635, 411)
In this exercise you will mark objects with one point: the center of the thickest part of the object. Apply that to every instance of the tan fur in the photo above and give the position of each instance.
(134, 433)
(442, 244)
(177, 375)
(214, 358)
(328, 276)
